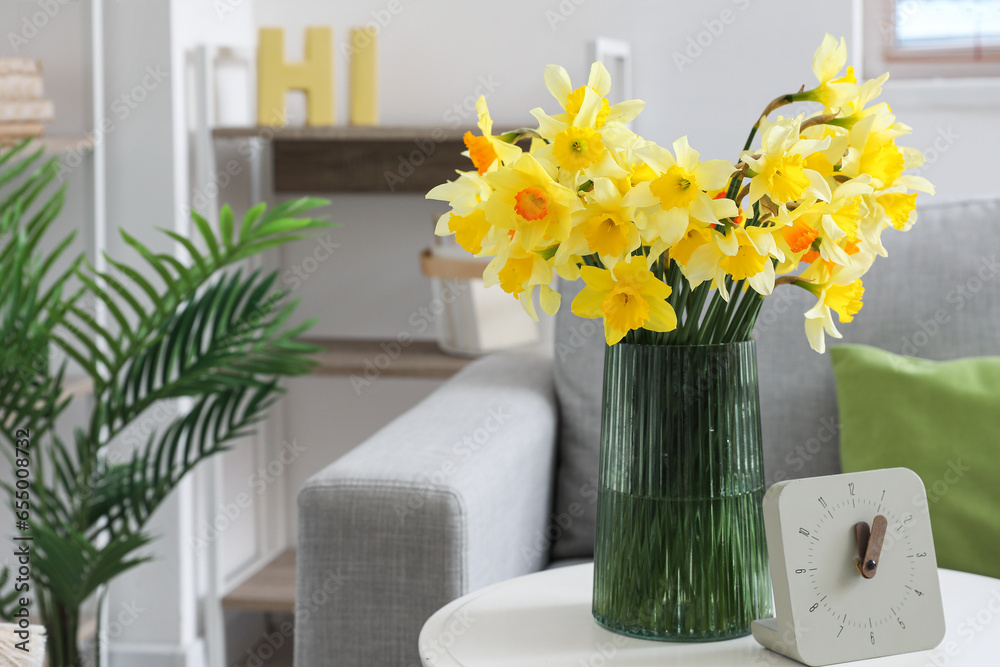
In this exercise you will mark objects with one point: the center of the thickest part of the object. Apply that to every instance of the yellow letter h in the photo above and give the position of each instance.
(314, 75)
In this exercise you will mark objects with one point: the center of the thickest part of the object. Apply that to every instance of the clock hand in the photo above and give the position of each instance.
(863, 534)
(873, 550)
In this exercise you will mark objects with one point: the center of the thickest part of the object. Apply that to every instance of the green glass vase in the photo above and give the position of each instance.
(680, 553)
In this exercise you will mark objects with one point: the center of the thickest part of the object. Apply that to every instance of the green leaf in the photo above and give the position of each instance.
(207, 236)
(169, 281)
(226, 226)
(199, 260)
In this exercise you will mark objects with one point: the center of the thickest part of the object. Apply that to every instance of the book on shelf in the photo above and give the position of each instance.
(22, 109)
(26, 110)
(21, 87)
(20, 66)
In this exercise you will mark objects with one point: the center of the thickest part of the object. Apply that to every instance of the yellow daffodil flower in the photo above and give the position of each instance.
(469, 230)
(828, 60)
(527, 201)
(579, 147)
(678, 194)
(488, 151)
(628, 297)
(843, 299)
(572, 99)
(466, 193)
(780, 170)
(604, 227)
(743, 253)
(899, 208)
(857, 108)
(697, 235)
(518, 273)
(576, 148)
(872, 150)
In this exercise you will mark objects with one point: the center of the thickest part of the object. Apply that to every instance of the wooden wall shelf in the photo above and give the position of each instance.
(359, 159)
(271, 589)
(357, 357)
(55, 143)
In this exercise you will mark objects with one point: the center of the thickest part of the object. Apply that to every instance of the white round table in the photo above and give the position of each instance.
(544, 620)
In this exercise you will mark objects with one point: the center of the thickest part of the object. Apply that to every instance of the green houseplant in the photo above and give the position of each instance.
(204, 330)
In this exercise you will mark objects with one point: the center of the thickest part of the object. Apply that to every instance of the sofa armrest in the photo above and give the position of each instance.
(450, 497)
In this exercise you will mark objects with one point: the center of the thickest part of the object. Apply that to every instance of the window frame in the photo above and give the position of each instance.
(878, 21)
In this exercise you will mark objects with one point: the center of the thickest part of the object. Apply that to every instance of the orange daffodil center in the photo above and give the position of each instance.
(799, 236)
(487, 150)
(527, 201)
(531, 203)
(481, 151)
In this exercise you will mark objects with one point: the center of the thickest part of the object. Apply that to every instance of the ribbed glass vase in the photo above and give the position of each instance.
(680, 552)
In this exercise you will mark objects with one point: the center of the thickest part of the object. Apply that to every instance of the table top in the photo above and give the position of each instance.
(544, 619)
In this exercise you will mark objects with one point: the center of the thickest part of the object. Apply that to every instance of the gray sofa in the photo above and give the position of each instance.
(493, 476)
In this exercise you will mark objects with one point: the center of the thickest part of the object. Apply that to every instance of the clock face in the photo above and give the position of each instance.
(838, 613)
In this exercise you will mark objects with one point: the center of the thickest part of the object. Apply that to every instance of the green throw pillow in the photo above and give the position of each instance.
(940, 419)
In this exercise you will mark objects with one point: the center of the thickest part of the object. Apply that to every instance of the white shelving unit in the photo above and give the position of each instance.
(95, 53)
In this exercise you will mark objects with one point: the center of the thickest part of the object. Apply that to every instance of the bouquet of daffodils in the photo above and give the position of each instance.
(675, 250)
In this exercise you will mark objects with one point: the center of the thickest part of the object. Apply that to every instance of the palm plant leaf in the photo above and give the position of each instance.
(259, 229)
(202, 328)
(72, 568)
(126, 494)
(28, 396)
(8, 602)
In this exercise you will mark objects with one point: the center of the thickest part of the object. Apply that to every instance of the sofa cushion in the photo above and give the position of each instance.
(939, 419)
(937, 296)
(579, 377)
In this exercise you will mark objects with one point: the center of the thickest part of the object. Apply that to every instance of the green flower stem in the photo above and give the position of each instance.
(745, 316)
(717, 326)
(696, 307)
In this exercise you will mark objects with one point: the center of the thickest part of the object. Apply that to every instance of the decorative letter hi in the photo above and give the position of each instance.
(314, 75)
